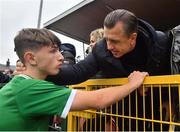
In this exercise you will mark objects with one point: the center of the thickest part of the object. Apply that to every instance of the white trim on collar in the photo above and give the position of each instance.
(25, 76)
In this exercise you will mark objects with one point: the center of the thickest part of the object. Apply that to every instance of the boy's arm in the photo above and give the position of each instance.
(99, 99)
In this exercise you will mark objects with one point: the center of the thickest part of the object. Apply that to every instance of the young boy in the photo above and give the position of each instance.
(28, 101)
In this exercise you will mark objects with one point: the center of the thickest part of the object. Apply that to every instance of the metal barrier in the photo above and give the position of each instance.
(157, 111)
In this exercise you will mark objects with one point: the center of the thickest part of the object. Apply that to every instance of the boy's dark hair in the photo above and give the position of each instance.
(34, 39)
(120, 15)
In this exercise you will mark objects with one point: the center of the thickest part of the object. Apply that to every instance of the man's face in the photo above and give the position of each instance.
(49, 60)
(117, 41)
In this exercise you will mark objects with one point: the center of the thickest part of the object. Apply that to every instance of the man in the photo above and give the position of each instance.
(129, 44)
(27, 101)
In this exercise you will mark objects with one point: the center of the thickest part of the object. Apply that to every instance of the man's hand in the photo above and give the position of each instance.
(19, 68)
(136, 78)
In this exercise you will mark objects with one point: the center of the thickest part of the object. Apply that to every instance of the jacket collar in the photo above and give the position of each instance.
(114, 61)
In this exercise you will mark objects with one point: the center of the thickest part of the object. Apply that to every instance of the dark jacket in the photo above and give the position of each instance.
(4, 78)
(69, 53)
(151, 54)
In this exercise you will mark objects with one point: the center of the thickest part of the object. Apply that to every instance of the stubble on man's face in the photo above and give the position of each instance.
(117, 41)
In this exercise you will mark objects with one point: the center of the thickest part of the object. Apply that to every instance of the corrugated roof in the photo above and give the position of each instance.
(80, 20)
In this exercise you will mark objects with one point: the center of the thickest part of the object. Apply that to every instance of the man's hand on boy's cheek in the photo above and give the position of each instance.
(20, 68)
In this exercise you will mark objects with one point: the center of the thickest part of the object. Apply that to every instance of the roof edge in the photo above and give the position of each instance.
(74, 8)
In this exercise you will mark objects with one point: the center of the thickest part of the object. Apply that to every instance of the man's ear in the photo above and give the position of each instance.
(133, 39)
(30, 58)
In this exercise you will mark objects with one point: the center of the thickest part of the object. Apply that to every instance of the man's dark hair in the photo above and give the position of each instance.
(128, 18)
(34, 39)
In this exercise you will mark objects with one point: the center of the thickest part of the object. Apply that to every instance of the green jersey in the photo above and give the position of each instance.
(27, 104)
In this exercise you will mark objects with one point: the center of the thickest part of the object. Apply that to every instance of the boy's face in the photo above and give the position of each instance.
(48, 60)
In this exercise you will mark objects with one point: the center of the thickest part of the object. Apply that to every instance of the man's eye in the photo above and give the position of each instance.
(114, 41)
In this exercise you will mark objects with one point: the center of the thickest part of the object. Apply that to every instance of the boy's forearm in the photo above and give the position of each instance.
(109, 96)
(99, 99)
(104, 97)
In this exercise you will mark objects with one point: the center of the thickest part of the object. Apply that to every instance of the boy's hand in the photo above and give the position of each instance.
(136, 78)
(19, 68)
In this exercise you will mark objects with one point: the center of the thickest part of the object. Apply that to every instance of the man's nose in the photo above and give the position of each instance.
(109, 45)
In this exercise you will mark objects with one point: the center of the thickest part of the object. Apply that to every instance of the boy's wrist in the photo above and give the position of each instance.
(131, 86)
